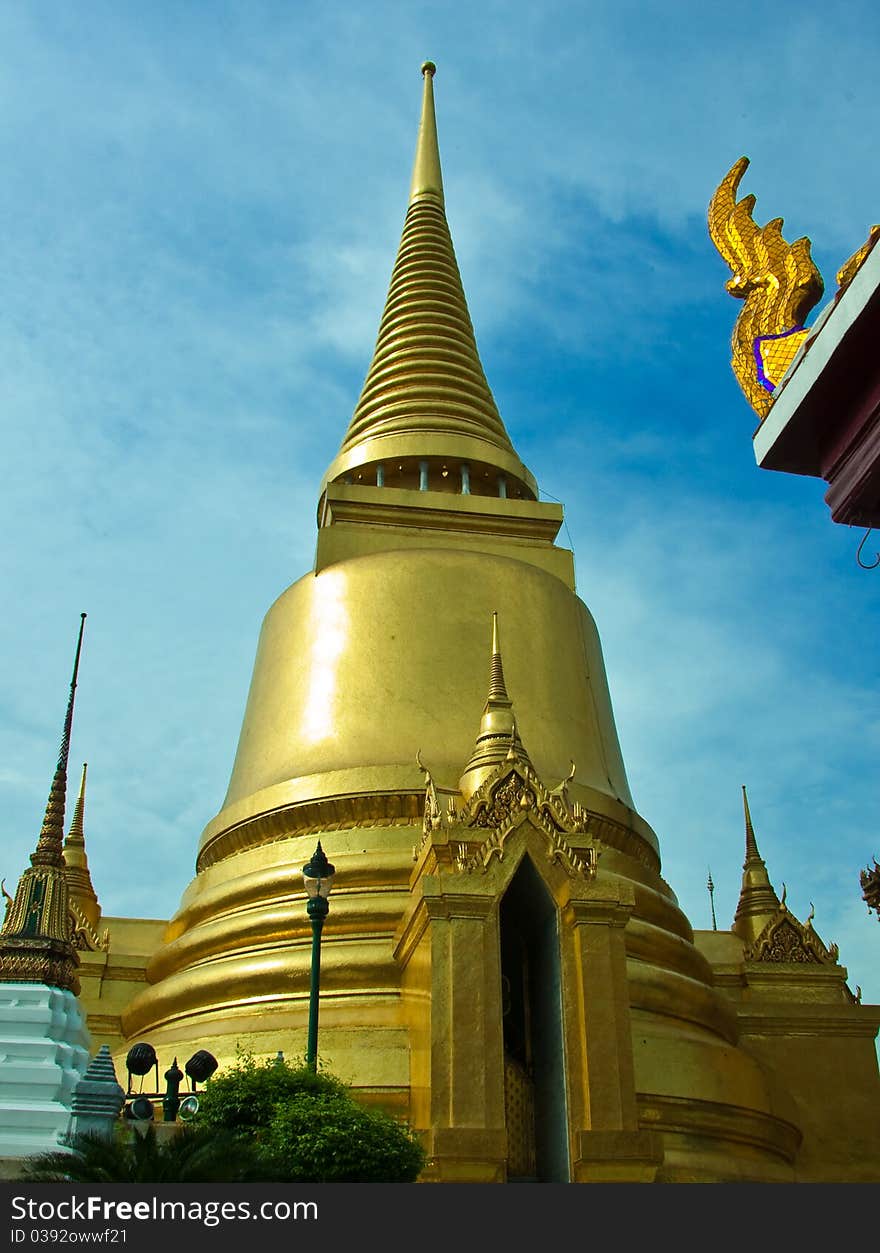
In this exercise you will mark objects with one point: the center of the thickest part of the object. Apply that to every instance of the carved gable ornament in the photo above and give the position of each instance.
(512, 794)
(869, 879)
(786, 940)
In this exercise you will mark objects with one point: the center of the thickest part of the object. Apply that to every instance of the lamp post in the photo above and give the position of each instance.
(318, 878)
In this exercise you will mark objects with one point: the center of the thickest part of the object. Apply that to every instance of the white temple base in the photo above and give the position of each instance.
(44, 1052)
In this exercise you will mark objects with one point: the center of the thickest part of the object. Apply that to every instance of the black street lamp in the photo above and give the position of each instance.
(318, 878)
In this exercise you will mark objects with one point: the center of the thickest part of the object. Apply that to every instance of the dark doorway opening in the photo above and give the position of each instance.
(534, 1071)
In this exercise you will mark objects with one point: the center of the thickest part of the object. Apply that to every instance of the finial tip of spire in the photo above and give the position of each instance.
(428, 67)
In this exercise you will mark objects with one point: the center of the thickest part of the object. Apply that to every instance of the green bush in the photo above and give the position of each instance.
(244, 1099)
(315, 1138)
(306, 1126)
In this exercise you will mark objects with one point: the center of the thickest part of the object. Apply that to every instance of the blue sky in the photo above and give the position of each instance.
(199, 209)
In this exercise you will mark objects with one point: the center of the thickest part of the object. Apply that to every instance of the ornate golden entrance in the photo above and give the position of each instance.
(534, 1101)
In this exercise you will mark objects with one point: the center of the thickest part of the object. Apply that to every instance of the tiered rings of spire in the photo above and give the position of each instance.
(426, 402)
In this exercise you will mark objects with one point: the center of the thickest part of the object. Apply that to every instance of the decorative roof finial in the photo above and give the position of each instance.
(869, 878)
(777, 282)
(711, 886)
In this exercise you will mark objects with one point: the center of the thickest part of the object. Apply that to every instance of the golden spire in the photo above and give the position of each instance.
(758, 903)
(35, 941)
(498, 738)
(427, 178)
(752, 853)
(75, 833)
(79, 880)
(497, 690)
(425, 398)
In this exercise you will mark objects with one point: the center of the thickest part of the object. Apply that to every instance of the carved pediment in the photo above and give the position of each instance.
(515, 787)
(786, 940)
(582, 862)
(513, 792)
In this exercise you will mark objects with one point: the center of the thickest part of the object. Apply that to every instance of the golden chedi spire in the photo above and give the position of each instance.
(758, 902)
(450, 527)
(35, 941)
(425, 406)
(498, 738)
(79, 880)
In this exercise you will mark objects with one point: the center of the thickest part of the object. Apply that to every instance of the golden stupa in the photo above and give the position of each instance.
(503, 963)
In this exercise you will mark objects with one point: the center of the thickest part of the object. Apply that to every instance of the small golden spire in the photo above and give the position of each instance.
(427, 178)
(751, 843)
(498, 739)
(758, 902)
(79, 880)
(497, 689)
(35, 941)
(76, 833)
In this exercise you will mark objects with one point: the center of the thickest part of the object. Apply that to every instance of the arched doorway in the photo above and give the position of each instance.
(534, 1083)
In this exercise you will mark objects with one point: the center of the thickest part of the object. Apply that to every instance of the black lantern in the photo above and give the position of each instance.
(318, 878)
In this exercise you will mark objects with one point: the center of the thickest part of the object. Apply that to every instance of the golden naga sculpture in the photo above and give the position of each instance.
(778, 282)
